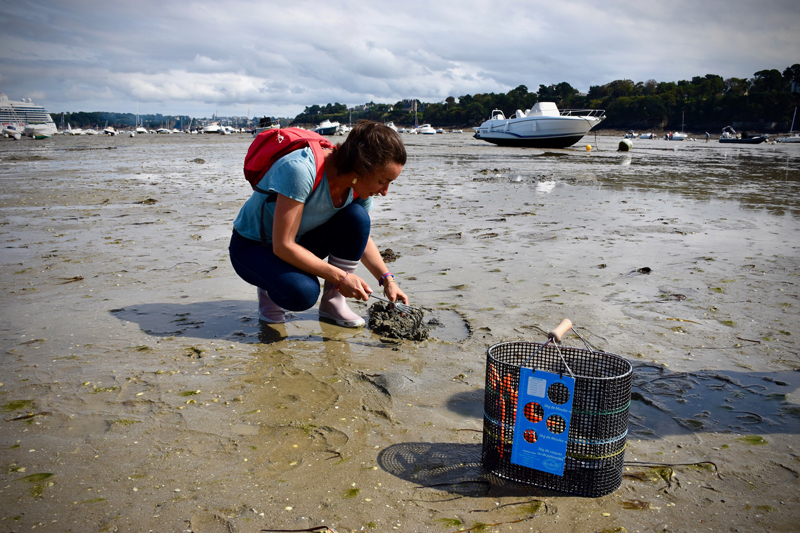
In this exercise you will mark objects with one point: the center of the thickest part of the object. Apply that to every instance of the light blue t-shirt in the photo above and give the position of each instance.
(293, 176)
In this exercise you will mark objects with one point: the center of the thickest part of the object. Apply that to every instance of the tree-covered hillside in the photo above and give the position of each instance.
(766, 102)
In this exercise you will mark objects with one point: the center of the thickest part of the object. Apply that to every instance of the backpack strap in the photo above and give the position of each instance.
(272, 196)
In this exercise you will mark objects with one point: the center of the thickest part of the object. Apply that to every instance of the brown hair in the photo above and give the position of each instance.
(369, 147)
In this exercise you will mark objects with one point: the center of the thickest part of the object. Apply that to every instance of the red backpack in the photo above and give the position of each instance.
(270, 145)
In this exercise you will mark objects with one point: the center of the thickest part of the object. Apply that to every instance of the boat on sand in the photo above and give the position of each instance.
(326, 127)
(543, 126)
(729, 135)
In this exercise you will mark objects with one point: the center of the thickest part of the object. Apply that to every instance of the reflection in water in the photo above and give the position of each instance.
(757, 177)
(545, 187)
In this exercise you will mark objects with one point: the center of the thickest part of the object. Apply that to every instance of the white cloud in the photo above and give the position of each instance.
(203, 56)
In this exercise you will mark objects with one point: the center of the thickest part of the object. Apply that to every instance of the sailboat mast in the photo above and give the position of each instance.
(793, 117)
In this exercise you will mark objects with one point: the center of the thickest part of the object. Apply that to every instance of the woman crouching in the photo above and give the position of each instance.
(281, 239)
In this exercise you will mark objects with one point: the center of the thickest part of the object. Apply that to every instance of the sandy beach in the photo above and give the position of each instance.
(139, 392)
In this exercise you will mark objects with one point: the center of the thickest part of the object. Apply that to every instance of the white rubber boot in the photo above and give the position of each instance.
(333, 304)
(269, 311)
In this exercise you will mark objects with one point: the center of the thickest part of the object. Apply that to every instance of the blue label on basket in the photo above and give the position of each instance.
(541, 428)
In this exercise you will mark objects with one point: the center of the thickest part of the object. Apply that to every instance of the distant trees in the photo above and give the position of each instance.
(704, 102)
(99, 119)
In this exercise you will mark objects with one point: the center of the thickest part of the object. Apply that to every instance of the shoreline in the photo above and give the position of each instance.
(140, 393)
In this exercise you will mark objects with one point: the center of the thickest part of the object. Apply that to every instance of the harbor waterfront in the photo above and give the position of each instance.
(139, 392)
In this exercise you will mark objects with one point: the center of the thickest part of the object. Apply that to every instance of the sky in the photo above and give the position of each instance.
(275, 58)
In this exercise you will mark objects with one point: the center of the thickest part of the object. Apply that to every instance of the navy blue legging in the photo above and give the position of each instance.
(344, 236)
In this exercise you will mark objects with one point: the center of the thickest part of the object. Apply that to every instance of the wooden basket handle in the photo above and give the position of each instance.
(562, 328)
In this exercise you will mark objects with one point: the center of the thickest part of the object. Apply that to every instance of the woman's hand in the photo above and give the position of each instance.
(354, 287)
(393, 292)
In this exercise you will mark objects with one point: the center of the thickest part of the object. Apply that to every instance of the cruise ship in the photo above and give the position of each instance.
(26, 118)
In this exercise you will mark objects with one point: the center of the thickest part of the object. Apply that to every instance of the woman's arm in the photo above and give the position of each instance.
(374, 262)
(285, 224)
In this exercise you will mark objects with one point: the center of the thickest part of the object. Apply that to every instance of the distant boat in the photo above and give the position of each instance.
(647, 136)
(163, 131)
(427, 129)
(139, 127)
(675, 136)
(11, 131)
(38, 130)
(73, 131)
(391, 125)
(543, 126)
(266, 124)
(21, 114)
(211, 128)
(791, 138)
(109, 130)
(326, 127)
(729, 135)
(91, 131)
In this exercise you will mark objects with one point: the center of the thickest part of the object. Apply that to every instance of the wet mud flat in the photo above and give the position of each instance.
(139, 391)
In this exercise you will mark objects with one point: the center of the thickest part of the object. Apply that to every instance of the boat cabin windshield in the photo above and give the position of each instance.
(545, 109)
(498, 115)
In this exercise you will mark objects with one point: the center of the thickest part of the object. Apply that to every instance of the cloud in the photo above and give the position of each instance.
(201, 56)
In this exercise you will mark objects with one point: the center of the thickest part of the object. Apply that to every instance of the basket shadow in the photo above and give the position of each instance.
(452, 468)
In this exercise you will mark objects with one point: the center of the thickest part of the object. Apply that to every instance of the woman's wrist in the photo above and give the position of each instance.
(386, 278)
(336, 287)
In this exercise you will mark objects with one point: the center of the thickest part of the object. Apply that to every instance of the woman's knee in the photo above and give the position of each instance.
(299, 294)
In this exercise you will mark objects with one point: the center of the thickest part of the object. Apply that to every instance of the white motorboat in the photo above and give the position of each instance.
(163, 131)
(26, 118)
(91, 131)
(73, 131)
(647, 136)
(675, 136)
(543, 126)
(38, 130)
(791, 138)
(211, 128)
(426, 129)
(12, 131)
(109, 130)
(326, 127)
(141, 130)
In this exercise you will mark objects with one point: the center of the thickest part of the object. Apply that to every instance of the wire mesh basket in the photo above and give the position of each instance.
(598, 427)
